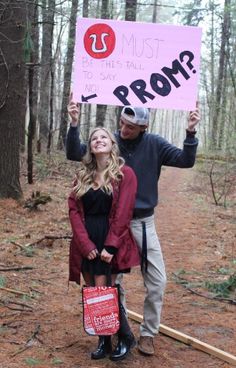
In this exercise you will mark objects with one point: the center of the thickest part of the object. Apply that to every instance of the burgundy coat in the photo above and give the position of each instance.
(119, 234)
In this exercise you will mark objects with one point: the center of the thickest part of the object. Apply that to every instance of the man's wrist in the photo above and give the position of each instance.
(73, 124)
(191, 133)
(192, 129)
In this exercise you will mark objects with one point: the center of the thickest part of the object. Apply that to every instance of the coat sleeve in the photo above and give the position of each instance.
(120, 221)
(75, 150)
(80, 233)
(174, 156)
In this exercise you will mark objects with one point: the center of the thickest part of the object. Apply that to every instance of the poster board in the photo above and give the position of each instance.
(139, 64)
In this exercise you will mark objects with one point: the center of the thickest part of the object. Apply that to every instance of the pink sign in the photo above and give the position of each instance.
(139, 64)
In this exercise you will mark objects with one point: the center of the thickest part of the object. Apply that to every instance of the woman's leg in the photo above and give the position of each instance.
(126, 339)
(88, 279)
(101, 280)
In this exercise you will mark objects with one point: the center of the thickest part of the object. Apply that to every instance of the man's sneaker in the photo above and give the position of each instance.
(145, 345)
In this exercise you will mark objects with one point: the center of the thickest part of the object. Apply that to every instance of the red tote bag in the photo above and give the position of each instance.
(101, 315)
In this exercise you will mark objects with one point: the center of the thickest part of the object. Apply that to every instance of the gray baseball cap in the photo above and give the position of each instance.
(135, 115)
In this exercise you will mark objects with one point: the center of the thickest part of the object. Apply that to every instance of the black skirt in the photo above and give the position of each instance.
(97, 207)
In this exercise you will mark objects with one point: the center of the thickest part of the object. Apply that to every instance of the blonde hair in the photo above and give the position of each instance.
(87, 168)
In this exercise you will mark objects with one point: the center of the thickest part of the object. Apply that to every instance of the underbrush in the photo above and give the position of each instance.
(48, 165)
(216, 179)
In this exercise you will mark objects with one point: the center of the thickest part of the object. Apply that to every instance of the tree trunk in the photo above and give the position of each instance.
(67, 75)
(87, 119)
(101, 114)
(154, 14)
(222, 120)
(130, 15)
(226, 31)
(102, 109)
(12, 96)
(130, 10)
(210, 99)
(86, 108)
(48, 10)
(105, 9)
(32, 88)
(31, 126)
(222, 66)
(51, 110)
(85, 9)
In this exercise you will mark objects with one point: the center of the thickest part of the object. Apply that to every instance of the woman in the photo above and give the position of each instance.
(100, 210)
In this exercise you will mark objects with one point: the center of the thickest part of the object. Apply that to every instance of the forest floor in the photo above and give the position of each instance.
(41, 318)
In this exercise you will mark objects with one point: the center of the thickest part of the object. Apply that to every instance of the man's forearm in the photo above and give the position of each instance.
(73, 147)
(190, 149)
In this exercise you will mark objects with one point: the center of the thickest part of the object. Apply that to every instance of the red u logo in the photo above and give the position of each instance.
(99, 41)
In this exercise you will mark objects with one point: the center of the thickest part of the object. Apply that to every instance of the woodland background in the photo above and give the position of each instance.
(195, 216)
(36, 54)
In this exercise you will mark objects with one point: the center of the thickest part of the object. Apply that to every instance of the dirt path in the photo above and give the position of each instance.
(43, 328)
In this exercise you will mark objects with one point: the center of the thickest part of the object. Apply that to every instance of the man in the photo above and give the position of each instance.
(145, 153)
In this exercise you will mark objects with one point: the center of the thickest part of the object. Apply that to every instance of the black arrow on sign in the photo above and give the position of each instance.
(85, 99)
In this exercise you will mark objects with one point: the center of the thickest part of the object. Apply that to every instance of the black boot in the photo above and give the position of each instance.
(104, 348)
(126, 339)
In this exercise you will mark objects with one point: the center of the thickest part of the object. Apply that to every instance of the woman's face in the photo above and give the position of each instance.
(100, 142)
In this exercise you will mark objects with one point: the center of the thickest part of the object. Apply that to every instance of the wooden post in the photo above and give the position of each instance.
(195, 343)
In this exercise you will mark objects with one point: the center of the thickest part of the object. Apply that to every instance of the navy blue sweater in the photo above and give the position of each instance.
(146, 155)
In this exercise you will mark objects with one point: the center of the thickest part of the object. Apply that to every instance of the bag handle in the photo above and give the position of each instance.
(108, 274)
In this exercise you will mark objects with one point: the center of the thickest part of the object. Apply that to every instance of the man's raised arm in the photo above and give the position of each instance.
(75, 150)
